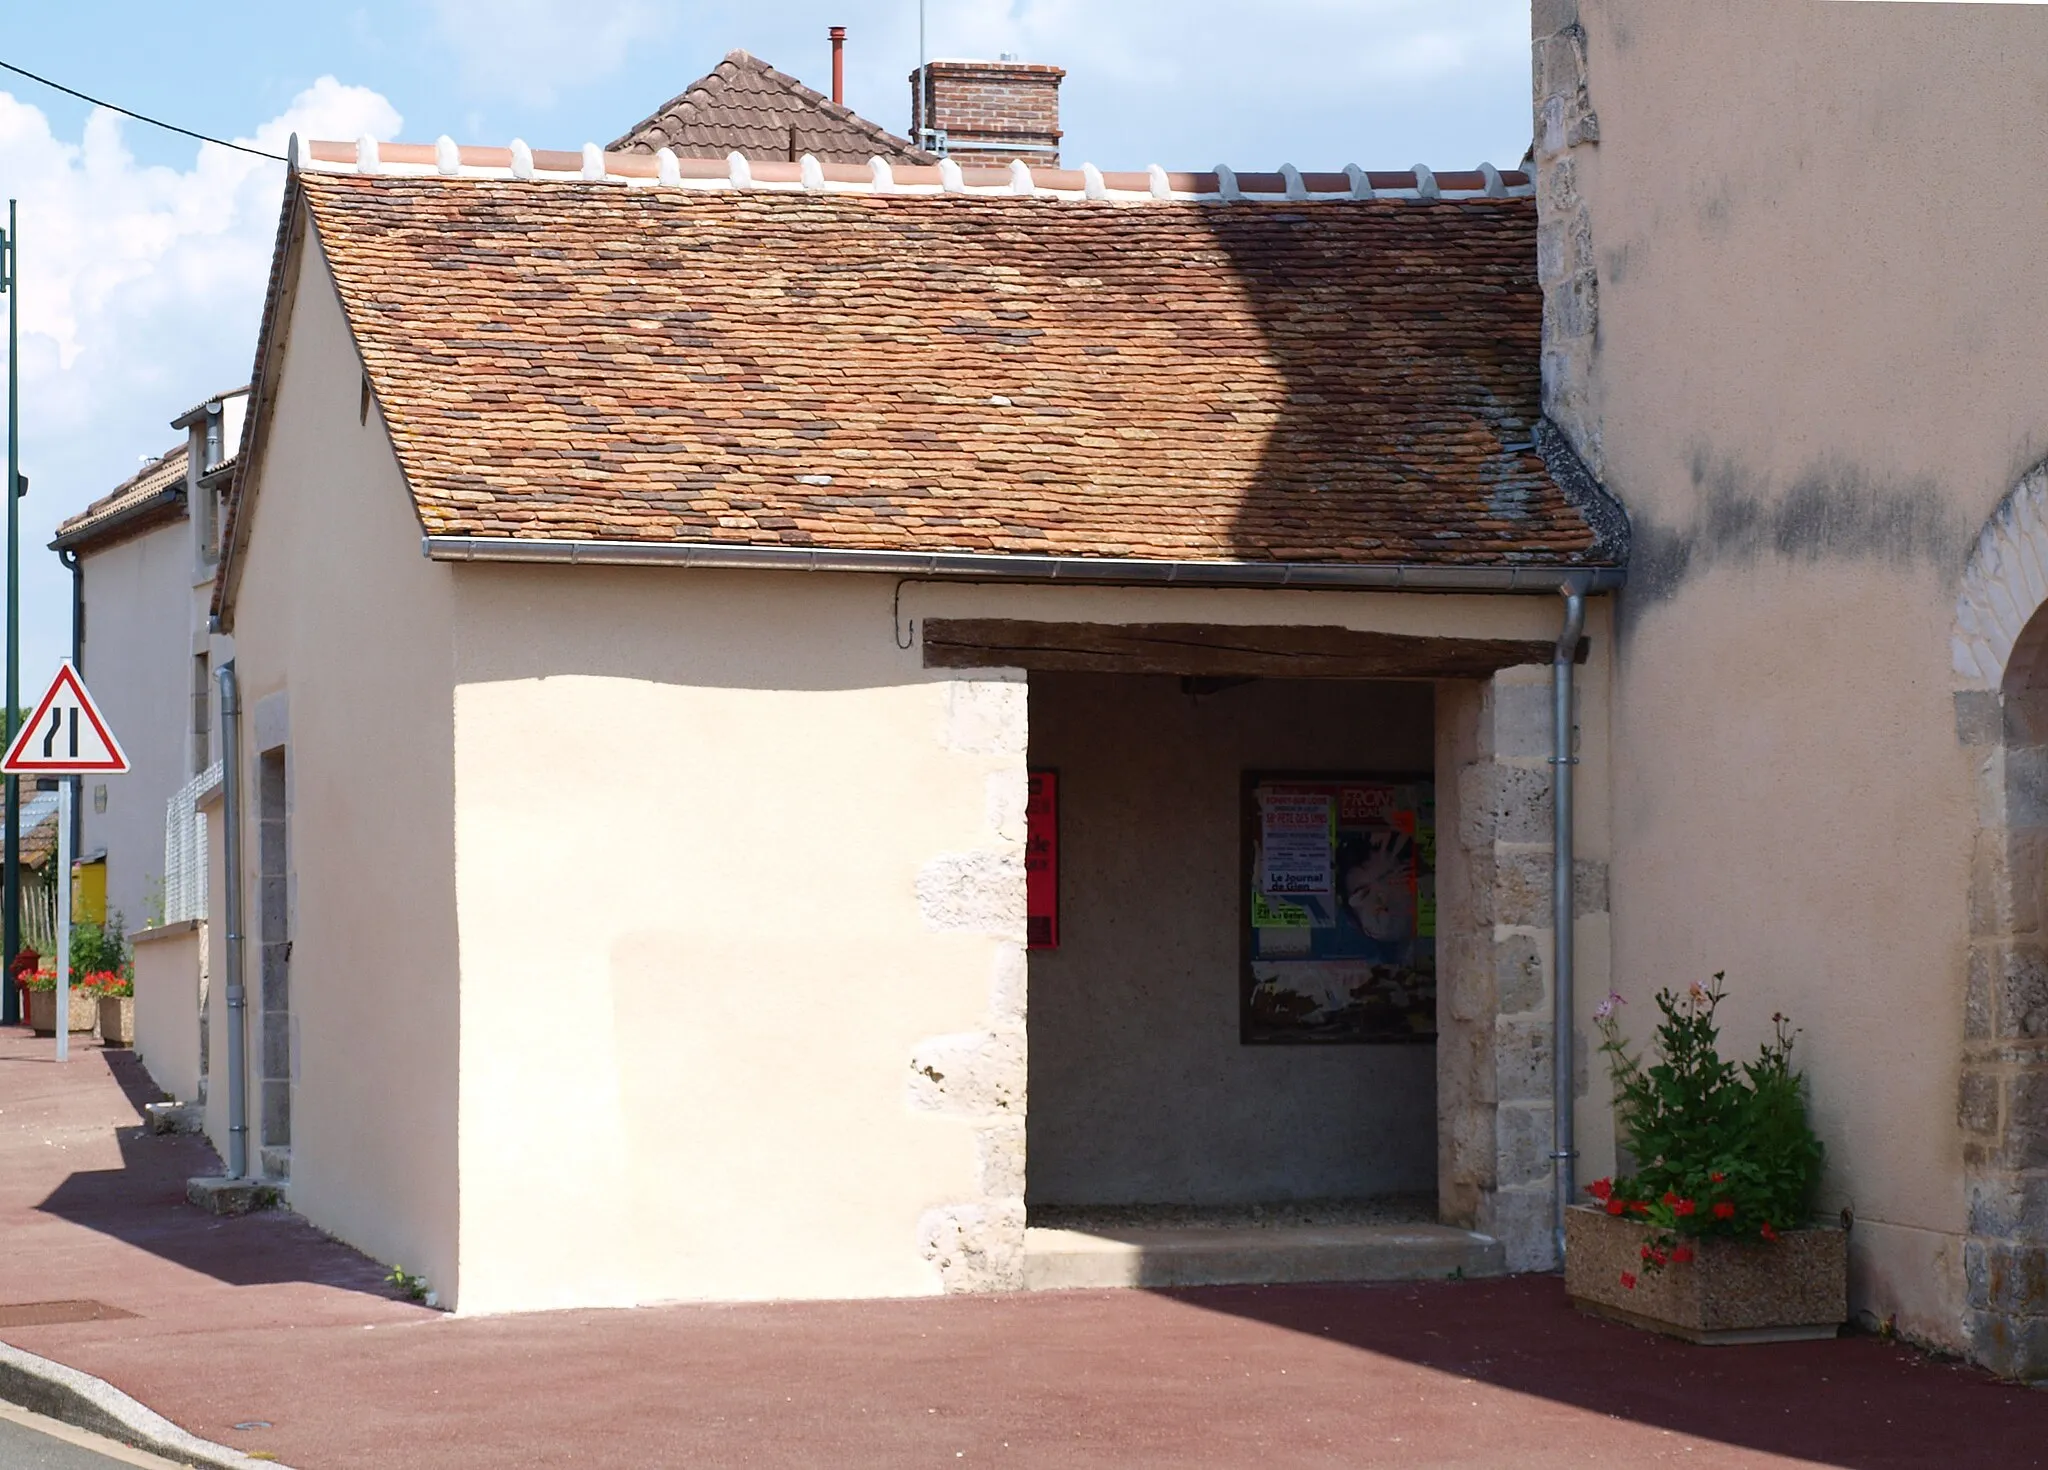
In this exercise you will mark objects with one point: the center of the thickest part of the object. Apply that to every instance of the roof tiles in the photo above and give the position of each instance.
(1329, 381)
(119, 514)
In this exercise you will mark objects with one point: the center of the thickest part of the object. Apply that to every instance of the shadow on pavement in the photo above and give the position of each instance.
(143, 1204)
(1857, 1402)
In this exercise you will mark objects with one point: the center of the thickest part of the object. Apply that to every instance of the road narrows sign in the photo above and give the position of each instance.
(66, 736)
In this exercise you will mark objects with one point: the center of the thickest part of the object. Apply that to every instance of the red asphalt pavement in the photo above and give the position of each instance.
(265, 1318)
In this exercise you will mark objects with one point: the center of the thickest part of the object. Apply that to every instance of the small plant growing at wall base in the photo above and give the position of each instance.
(408, 1285)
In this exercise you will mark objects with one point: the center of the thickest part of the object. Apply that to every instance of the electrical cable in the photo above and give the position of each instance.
(139, 117)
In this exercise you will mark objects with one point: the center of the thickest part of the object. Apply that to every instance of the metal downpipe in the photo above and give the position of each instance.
(1564, 1153)
(231, 821)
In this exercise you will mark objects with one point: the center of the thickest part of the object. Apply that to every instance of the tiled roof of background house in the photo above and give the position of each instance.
(1335, 380)
(746, 106)
(153, 495)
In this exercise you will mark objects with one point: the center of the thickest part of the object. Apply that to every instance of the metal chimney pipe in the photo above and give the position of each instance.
(838, 35)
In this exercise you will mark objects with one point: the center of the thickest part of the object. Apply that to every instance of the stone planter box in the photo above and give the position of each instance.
(42, 1011)
(1790, 1290)
(117, 1020)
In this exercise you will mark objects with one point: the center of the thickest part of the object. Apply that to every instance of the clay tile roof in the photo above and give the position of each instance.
(746, 106)
(1337, 381)
(152, 495)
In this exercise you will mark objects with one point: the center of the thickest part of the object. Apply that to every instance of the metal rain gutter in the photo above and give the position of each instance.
(237, 994)
(1004, 567)
(1564, 1154)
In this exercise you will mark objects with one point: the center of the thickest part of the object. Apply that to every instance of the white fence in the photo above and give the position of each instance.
(185, 848)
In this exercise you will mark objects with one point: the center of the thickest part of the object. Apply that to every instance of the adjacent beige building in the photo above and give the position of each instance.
(143, 560)
(1792, 295)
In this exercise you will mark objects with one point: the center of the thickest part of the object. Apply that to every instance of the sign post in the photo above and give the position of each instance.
(66, 737)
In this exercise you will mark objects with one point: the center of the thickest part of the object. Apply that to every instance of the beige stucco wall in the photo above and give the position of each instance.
(167, 1006)
(1814, 378)
(137, 660)
(1140, 1088)
(706, 824)
(741, 920)
(344, 654)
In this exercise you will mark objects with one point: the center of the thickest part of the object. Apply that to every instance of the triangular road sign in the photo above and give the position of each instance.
(66, 735)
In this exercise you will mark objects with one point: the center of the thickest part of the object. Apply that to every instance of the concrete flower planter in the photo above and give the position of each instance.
(117, 1020)
(1790, 1290)
(42, 1012)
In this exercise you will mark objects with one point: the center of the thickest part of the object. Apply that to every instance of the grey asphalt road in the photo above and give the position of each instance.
(25, 1447)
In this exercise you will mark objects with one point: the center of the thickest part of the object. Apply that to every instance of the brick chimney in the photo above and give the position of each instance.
(987, 113)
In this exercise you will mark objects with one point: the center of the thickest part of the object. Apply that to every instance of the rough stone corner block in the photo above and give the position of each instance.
(977, 1247)
(973, 892)
(977, 1074)
(988, 717)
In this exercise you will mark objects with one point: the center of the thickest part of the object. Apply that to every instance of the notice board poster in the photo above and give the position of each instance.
(1042, 862)
(1340, 911)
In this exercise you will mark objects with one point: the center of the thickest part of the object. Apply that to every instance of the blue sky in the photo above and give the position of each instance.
(143, 255)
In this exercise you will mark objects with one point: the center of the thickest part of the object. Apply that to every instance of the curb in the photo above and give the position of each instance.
(84, 1402)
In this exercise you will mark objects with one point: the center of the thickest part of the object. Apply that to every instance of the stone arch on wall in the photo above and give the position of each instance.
(2004, 584)
(1999, 649)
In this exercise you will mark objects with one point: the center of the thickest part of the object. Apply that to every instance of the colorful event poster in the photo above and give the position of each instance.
(1042, 861)
(1342, 912)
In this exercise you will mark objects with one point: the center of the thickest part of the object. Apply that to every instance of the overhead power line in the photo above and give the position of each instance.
(155, 122)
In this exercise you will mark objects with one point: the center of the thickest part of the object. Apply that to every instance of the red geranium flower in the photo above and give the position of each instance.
(1628, 1280)
(1685, 1207)
(1717, 1178)
(1769, 1234)
(1616, 1207)
(1724, 1211)
(1670, 1198)
(1601, 1189)
(1639, 1207)
(1682, 1254)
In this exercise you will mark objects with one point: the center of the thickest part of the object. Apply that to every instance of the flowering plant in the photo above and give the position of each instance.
(97, 982)
(105, 983)
(1723, 1150)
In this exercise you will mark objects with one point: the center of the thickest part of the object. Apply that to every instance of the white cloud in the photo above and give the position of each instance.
(141, 287)
(528, 49)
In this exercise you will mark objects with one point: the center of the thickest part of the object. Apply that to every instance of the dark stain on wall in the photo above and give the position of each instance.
(1836, 511)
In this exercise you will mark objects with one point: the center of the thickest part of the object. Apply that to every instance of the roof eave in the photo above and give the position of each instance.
(165, 506)
(1008, 567)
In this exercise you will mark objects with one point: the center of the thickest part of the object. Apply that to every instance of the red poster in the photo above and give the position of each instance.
(1042, 862)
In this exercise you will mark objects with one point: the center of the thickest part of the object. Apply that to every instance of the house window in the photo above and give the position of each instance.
(201, 725)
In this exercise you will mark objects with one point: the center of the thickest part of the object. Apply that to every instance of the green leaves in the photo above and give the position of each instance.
(1721, 1149)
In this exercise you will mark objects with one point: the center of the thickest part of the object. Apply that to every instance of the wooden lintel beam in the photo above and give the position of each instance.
(1212, 650)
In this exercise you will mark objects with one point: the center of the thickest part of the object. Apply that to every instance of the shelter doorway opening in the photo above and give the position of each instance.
(1232, 1013)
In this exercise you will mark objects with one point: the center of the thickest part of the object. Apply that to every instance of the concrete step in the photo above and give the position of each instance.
(224, 1196)
(1072, 1259)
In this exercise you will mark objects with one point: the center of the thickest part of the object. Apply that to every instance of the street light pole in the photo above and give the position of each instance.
(10, 892)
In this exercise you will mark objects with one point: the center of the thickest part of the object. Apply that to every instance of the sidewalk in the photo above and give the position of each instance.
(262, 1318)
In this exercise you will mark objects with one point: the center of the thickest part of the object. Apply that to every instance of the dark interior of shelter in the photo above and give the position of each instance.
(1232, 973)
